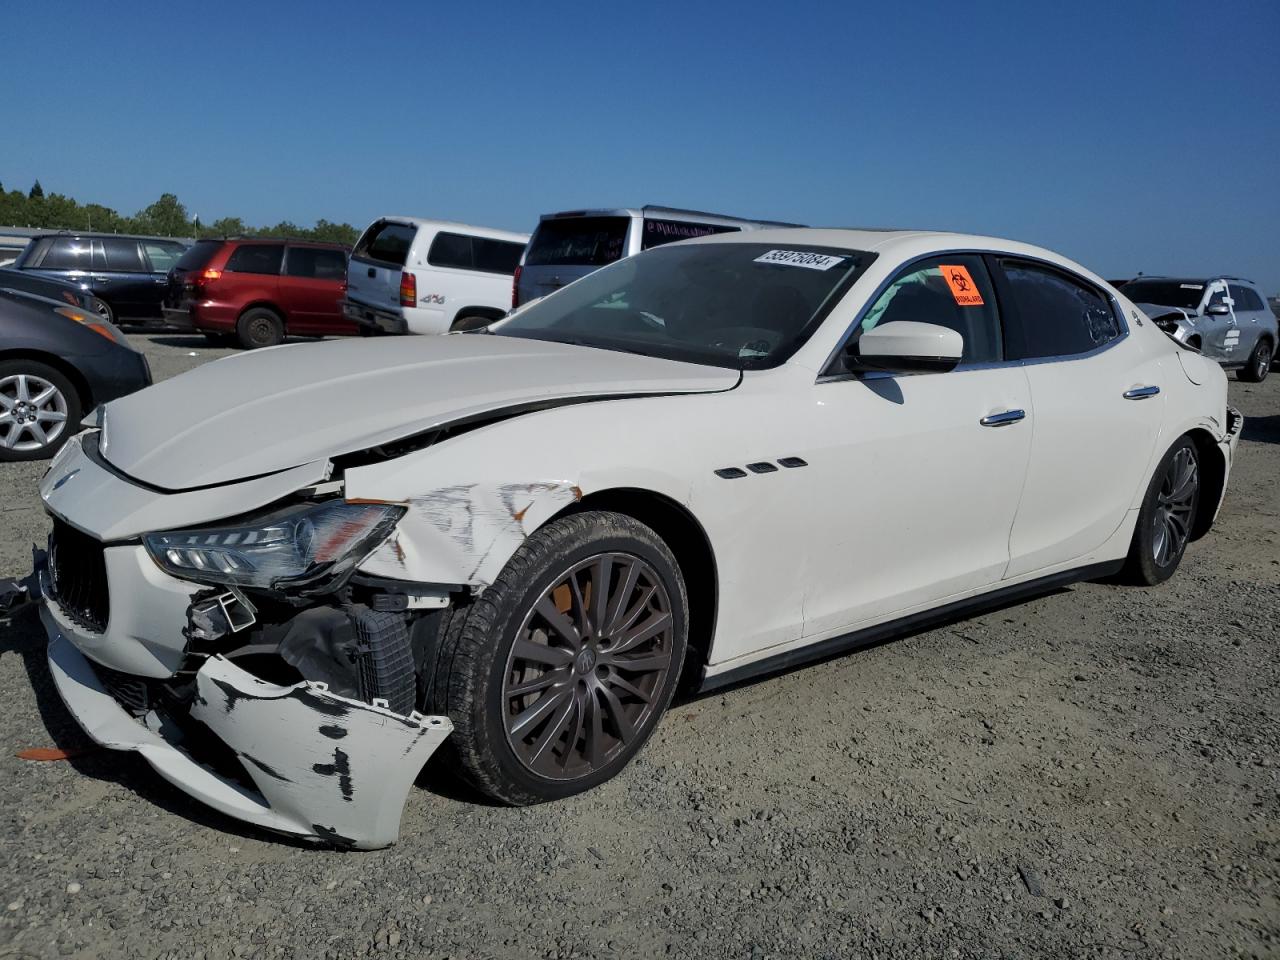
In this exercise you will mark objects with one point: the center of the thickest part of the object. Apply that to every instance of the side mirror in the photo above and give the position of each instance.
(906, 346)
(1217, 310)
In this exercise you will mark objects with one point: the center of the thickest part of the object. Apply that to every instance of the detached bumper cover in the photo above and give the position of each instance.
(324, 766)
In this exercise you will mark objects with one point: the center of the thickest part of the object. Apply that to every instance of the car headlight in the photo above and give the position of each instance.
(298, 546)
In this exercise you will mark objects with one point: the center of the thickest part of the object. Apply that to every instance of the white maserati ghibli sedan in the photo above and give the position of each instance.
(286, 578)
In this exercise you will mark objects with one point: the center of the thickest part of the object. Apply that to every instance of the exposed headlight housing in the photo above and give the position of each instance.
(306, 545)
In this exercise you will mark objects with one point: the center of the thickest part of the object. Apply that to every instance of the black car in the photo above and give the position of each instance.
(128, 274)
(51, 288)
(57, 362)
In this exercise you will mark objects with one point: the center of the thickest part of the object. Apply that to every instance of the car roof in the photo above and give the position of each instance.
(898, 243)
(90, 235)
(652, 209)
(490, 232)
(291, 241)
(1213, 277)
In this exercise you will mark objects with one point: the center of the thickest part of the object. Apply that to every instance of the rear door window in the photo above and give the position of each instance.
(1057, 314)
(658, 232)
(386, 242)
(257, 258)
(118, 255)
(1245, 298)
(67, 253)
(578, 241)
(316, 263)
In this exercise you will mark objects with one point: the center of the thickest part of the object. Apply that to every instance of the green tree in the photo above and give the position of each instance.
(166, 217)
(36, 190)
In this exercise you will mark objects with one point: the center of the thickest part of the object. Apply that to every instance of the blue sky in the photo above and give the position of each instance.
(1129, 136)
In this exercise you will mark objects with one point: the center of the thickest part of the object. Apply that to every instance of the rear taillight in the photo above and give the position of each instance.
(211, 274)
(408, 289)
(515, 288)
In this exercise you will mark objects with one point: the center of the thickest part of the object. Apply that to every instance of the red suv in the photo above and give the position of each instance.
(257, 292)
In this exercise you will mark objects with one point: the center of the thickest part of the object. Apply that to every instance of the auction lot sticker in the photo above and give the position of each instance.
(963, 289)
(799, 258)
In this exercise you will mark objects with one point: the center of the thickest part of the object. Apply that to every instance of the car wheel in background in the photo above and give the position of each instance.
(471, 323)
(103, 309)
(557, 674)
(1167, 516)
(259, 327)
(1259, 365)
(39, 410)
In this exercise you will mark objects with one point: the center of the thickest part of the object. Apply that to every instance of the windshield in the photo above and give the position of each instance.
(578, 241)
(1166, 293)
(739, 305)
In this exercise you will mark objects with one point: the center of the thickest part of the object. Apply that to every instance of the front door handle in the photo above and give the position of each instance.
(1141, 393)
(1004, 418)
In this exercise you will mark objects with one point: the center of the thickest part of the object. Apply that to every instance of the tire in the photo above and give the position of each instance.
(471, 323)
(259, 327)
(1259, 364)
(45, 425)
(103, 309)
(1167, 517)
(584, 714)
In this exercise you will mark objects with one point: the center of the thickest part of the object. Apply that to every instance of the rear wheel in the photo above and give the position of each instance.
(1166, 518)
(556, 676)
(39, 410)
(259, 327)
(471, 323)
(1259, 365)
(103, 309)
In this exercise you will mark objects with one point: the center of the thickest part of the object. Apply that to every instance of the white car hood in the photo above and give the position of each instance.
(269, 410)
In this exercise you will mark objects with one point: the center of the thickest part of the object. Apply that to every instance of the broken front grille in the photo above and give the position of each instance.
(78, 571)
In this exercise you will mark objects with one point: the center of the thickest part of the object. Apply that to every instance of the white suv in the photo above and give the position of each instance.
(408, 275)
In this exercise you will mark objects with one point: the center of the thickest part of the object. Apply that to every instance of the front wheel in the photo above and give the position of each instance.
(1259, 365)
(39, 410)
(557, 674)
(1166, 518)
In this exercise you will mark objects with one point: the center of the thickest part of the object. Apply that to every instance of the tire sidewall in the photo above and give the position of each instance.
(619, 535)
(244, 328)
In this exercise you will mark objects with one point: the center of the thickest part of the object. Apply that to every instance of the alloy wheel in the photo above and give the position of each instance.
(33, 412)
(1175, 507)
(588, 665)
(1262, 361)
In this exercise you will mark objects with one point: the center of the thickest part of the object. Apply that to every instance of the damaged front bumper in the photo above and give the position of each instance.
(317, 765)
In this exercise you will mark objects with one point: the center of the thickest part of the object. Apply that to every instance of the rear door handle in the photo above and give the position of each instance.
(1141, 393)
(1004, 418)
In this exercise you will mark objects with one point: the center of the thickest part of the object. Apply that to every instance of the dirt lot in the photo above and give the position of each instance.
(1091, 774)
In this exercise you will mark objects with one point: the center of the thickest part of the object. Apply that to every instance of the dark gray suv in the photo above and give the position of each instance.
(128, 275)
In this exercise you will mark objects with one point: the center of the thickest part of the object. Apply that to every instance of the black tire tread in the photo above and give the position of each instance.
(242, 327)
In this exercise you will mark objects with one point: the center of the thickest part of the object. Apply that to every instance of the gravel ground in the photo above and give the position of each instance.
(1090, 774)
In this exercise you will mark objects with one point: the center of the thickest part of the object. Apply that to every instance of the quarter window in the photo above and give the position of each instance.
(952, 291)
(257, 258)
(162, 255)
(451, 250)
(496, 256)
(1057, 314)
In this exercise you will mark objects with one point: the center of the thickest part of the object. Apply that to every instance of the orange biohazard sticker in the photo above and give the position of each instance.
(962, 286)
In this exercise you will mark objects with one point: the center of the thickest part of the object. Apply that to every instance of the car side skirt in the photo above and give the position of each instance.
(869, 636)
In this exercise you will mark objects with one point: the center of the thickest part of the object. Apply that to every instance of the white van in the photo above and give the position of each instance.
(573, 243)
(408, 275)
